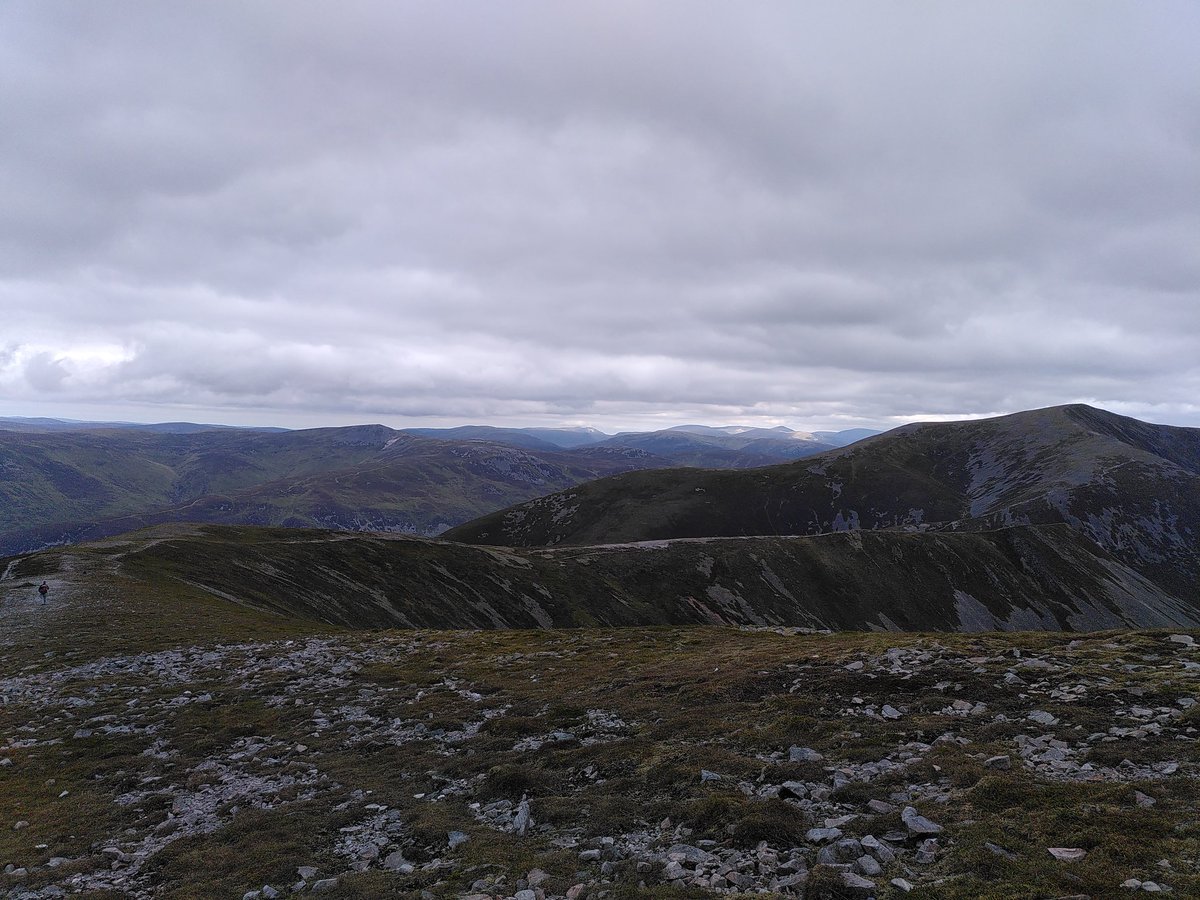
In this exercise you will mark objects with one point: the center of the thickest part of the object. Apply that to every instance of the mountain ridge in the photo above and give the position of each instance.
(1129, 486)
(1017, 578)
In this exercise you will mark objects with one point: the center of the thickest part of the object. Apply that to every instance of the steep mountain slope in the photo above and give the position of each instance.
(1021, 578)
(77, 485)
(1131, 487)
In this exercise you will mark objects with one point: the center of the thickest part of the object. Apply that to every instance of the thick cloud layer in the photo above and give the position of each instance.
(620, 213)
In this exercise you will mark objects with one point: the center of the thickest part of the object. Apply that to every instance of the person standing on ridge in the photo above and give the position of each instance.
(43, 589)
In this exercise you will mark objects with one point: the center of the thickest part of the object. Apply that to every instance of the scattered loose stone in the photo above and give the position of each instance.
(927, 852)
(1067, 854)
(796, 789)
(857, 882)
(357, 714)
(918, 824)
(523, 820)
(804, 754)
(868, 865)
(820, 835)
(999, 851)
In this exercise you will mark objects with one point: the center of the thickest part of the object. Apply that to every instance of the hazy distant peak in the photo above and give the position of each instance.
(777, 432)
(846, 437)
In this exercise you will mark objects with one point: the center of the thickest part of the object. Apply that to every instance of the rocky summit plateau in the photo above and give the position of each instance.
(159, 741)
(951, 661)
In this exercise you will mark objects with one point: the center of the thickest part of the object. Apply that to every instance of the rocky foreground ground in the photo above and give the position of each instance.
(168, 747)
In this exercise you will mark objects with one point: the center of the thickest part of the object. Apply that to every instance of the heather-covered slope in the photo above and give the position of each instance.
(1021, 578)
(1131, 487)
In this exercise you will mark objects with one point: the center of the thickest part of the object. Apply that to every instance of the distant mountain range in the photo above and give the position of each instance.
(64, 481)
(1062, 518)
(529, 438)
(41, 423)
(719, 447)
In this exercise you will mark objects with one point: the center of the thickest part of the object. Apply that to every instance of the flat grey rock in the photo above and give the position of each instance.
(804, 754)
(1067, 854)
(917, 823)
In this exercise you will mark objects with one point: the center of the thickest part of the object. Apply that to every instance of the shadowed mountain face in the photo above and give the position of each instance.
(1130, 487)
(1021, 578)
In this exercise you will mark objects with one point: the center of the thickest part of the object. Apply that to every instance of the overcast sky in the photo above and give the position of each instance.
(626, 214)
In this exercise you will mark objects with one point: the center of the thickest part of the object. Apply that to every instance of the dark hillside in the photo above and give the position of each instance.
(1022, 578)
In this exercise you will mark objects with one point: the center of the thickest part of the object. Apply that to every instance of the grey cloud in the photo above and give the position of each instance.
(45, 373)
(798, 212)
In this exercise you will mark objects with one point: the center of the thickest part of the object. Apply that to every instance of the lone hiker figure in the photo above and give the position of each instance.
(43, 589)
